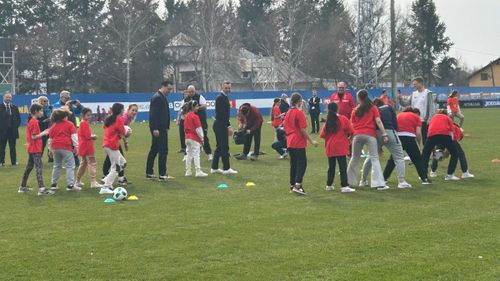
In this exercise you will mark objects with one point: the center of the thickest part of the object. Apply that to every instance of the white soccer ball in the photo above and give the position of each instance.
(120, 194)
(438, 154)
(128, 131)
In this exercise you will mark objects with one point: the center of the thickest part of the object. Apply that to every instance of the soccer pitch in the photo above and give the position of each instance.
(189, 229)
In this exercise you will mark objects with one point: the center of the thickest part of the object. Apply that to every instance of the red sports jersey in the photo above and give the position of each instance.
(276, 120)
(60, 135)
(458, 135)
(384, 99)
(34, 146)
(337, 144)
(453, 104)
(346, 104)
(365, 125)
(191, 123)
(440, 124)
(85, 141)
(408, 122)
(112, 134)
(294, 122)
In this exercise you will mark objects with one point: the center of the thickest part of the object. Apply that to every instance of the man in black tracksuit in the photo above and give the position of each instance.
(159, 124)
(222, 130)
(314, 111)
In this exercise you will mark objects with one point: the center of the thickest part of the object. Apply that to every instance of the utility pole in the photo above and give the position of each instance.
(394, 87)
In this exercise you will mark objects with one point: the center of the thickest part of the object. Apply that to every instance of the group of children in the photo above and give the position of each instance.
(65, 142)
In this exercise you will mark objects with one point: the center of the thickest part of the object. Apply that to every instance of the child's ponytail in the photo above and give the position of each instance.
(332, 119)
(116, 110)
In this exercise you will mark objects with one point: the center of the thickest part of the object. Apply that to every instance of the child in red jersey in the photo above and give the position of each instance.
(276, 115)
(86, 150)
(295, 125)
(114, 130)
(440, 133)
(63, 145)
(194, 138)
(453, 108)
(336, 132)
(34, 138)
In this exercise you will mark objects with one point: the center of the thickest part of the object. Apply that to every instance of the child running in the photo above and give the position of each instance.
(86, 151)
(453, 108)
(194, 138)
(295, 125)
(336, 132)
(63, 146)
(34, 138)
(114, 130)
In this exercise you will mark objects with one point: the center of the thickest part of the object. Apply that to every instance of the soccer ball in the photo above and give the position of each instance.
(120, 194)
(438, 154)
(128, 131)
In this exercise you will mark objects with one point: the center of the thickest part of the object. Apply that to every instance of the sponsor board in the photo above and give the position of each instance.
(492, 103)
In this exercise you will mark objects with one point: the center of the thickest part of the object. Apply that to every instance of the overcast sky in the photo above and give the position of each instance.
(472, 25)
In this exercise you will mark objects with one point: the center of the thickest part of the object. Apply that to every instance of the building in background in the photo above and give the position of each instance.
(488, 76)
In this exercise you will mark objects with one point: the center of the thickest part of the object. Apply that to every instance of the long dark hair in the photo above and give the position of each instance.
(116, 110)
(332, 119)
(365, 104)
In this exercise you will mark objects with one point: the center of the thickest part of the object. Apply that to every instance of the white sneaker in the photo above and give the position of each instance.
(80, 184)
(404, 184)
(330, 188)
(347, 189)
(201, 174)
(451, 178)
(210, 157)
(407, 158)
(188, 173)
(229, 172)
(216, 171)
(467, 175)
(96, 185)
(363, 183)
(385, 187)
(284, 156)
(184, 158)
(106, 190)
(433, 174)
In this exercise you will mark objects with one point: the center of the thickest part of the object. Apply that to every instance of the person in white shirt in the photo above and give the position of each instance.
(423, 99)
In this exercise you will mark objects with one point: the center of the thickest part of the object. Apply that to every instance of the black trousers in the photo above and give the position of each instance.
(314, 121)
(221, 146)
(411, 147)
(248, 142)
(11, 140)
(461, 157)
(107, 164)
(206, 142)
(425, 127)
(182, 135)
(298, 164)
(447, 143)
(159, 146)
(279, 147)
(342, 160)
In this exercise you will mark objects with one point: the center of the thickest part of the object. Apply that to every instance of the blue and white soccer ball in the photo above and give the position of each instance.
(128, 131)
(120, 194)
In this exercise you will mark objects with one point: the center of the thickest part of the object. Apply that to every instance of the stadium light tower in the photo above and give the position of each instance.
(7, 66)
(367, 70)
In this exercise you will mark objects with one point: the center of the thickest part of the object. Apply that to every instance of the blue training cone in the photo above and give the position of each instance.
(222, 186)
(109, 200)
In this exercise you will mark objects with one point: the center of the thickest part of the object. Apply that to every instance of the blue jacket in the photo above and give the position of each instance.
(388, 117)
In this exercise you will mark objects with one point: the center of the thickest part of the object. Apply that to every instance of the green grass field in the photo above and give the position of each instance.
(190, 230)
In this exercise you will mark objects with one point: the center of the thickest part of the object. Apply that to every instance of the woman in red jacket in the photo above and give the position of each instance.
(295, 125)
(336, 132)
(250, 120)
(440, 132)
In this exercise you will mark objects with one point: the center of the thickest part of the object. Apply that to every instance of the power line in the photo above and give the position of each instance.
(476, 52)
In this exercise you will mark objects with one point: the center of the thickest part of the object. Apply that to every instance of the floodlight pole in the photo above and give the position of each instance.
(393, 56)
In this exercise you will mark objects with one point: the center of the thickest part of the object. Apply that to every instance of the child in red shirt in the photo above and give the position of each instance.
(454, 107)
(194, 138)
(63, 145)
(86, 150)
(336, 132)
(34, 138)
(276, 115)
(114, 130)
(295, 125)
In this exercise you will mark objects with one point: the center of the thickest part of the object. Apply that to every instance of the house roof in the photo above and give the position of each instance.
(483, 68)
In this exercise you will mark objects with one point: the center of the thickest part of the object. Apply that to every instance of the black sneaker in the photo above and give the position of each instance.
(240, 157)
(299, 190)
(150, 177)
(53, 187)
(123, 181)
(182, 151)
(44, 191)
(426, 182)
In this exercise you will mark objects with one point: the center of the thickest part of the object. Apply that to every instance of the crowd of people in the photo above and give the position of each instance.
(349, 128)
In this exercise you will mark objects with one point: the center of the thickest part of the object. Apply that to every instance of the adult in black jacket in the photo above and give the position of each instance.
(222, 130)
(159, 124)
(314, 111)
(284, 106)
(10, 120)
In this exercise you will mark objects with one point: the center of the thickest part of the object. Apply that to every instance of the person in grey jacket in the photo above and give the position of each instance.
(388, 117)
(423, 99)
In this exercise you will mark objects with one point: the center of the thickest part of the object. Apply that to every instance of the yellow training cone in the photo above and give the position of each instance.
(132, 198)
(250, 184)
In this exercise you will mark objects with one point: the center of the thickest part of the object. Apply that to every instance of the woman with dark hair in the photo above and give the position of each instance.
(410, 133)
(295, 125)
(250, 120)
(114, 130)
(365, 118)
(453, 108)
(389, 119)
(276, 115)
(336, 132)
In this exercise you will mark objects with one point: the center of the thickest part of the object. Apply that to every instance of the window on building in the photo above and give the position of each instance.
(484, 77)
